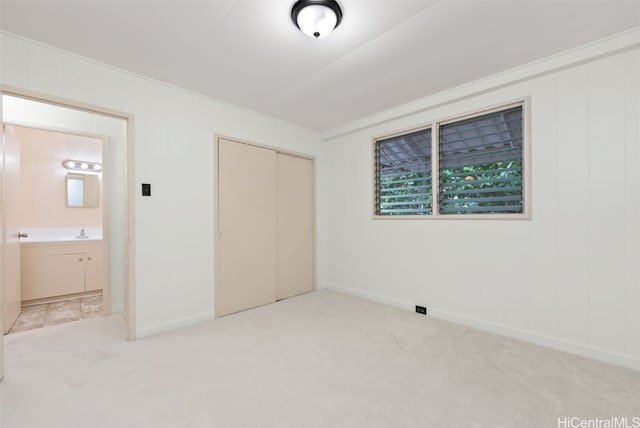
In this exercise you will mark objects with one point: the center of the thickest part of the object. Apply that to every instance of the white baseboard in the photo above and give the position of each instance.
(172, 325)
(370, 296)
(599, 354)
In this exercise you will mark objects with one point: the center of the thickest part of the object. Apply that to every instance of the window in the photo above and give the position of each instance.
(404, 174)
(479, 162)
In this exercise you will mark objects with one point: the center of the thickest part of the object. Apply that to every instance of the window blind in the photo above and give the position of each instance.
(481, 164)
(403, 174)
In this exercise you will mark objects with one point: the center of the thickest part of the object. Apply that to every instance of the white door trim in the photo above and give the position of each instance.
(130, 294)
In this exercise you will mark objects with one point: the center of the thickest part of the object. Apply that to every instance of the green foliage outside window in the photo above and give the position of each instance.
(405, 193)
(489, 188)
(479, 168)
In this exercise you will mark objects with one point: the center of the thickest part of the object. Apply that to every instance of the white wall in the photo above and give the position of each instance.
(568, 278)
(174, 142)
(43, 178)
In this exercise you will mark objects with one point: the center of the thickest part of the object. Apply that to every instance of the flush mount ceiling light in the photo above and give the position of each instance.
(316, 18)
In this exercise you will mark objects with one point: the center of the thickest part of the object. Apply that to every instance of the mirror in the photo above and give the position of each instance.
(82, 191)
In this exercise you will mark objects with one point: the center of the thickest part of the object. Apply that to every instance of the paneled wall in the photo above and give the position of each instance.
(43, 178)
(173, 150)
(570, 276)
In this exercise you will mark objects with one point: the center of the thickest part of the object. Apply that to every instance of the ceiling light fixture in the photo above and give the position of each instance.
(316, 18)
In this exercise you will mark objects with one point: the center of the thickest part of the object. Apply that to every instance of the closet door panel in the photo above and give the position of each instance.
(294, 195)
(246, 228)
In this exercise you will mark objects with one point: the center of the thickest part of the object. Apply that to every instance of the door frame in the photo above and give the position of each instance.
(216, 208)
(10, 230)
(129, 266)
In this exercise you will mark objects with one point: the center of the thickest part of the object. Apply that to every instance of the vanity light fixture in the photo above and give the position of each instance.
(76, 165)
(316, 18)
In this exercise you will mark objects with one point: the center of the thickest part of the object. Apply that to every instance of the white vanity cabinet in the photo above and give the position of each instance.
(58, 268)
(94, 269)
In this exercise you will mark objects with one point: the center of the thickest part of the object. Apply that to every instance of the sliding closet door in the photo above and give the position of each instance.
(246, 232)
(295, 225)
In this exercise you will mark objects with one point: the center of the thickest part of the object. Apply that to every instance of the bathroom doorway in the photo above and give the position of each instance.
(35, 111)
(63, 262)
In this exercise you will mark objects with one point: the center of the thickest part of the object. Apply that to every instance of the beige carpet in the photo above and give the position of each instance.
(319, 360)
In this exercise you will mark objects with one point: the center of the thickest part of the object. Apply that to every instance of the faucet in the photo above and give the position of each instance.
(82, 234)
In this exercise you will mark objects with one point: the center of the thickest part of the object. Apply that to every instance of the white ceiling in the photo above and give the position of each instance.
(249, 53)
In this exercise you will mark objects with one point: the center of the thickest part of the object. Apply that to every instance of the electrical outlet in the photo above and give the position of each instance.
(421, 310)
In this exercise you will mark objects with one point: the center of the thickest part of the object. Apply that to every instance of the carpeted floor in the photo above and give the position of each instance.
(323, 359)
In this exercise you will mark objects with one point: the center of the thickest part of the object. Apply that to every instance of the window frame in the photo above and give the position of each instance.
(435, 125)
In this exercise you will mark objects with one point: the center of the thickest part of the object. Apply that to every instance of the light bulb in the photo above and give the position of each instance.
(317, 21)
(84, 165)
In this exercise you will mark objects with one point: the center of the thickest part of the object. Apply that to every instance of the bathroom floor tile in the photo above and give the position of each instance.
(91, 306)
(30, 318)
(33, 311)
(62, 312)
(46, 314)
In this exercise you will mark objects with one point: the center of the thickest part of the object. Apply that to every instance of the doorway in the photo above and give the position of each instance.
(25, 108)
(62, 205)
